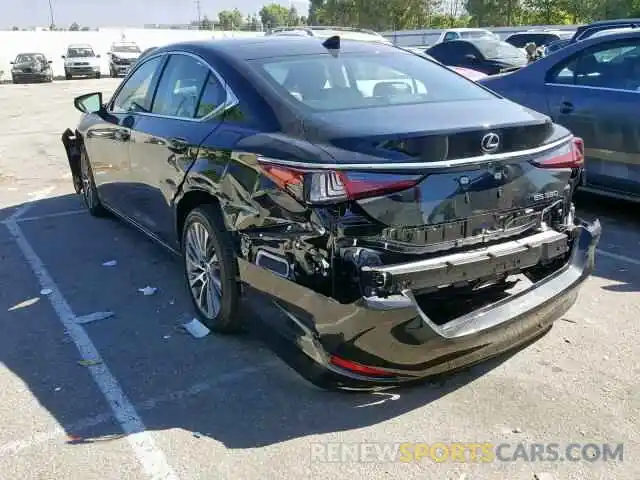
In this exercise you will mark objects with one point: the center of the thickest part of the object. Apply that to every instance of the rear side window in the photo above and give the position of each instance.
(180, 87)
(324, 82)
(450, 36)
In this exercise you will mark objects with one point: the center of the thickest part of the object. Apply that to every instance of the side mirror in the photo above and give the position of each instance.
(12, 63)
(89, 103)
(49, 61)
(63, 56)
(98, 56)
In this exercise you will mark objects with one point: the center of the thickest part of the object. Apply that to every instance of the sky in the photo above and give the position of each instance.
(111, 13)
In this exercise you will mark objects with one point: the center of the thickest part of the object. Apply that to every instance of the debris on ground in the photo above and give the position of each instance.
(568, 320)
(196, 328)
(517, 430)
(146, 291)
(93, 317)
(89, 363)
(172, 301)
(167, 337)
(566, 340)
(46, 291)
(110, 263)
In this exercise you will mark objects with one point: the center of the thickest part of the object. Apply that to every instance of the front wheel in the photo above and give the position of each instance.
(89, 190)
(211, 269)
(98, 75)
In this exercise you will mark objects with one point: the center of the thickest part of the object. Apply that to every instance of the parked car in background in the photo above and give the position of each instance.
(484, 55)
(81, 61)
(586, 31)
(31, 67)
(375, 209)
(467, 72)
(593, 88)
(323, 32)
(146, 52)
(465, 34)
(541, 38)
(122, 55)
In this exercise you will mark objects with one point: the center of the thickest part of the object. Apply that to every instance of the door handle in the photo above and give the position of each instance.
(566, 107)
(122, 134)
(178, 145)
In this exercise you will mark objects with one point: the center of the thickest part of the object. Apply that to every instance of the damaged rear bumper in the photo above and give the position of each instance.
(390, 339)
(72, 147)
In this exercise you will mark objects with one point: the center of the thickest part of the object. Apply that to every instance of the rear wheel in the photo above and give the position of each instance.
(211, 269)
(98, 75)
(67, 75)
(89, 190)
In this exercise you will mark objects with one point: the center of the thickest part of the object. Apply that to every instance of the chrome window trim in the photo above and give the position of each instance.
(589, 87)
(231, 99)
(458, 162)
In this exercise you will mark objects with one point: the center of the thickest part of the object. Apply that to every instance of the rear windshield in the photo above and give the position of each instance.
(328, 83)
(540, 39)
(80, 52)
(494, 50)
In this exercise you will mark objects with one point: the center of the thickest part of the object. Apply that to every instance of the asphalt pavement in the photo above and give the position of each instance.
(133, 396)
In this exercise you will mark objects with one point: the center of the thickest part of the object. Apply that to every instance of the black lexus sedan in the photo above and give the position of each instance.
(31, 67)
(386, 218)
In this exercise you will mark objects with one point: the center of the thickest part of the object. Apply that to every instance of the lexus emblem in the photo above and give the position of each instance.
(490, 143)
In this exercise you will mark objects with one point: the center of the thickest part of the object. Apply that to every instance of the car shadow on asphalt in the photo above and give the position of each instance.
(268, 407)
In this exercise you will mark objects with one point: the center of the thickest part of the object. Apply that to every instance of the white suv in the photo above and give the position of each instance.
(81, 61)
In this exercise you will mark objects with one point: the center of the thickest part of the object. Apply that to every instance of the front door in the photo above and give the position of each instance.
(109, 143)
(165, 143)
(596, 95)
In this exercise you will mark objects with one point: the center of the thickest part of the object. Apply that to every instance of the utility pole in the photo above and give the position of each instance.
(199, 18)
(53, 23)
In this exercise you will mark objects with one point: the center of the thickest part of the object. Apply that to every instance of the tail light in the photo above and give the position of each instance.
(332, 186)
(569, 155)
(359, 368)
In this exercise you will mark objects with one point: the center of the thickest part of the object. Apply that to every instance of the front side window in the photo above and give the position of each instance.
(180, 87)
(135, 95)
(325, 83)
(612, 65)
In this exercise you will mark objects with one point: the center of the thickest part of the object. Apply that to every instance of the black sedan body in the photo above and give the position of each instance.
(31, 67)
(372, 205)
(484, 55)
(592, 88)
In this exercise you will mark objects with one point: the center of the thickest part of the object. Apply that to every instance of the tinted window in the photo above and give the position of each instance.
(450, 36)
(324, 82)
(451, 53)
(135, 93)
(180, 87)
(475, 34)
(125, 48)
(611, 65)
(29, 57)
(212, 97)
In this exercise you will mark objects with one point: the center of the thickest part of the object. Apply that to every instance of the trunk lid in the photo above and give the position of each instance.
(451, 202)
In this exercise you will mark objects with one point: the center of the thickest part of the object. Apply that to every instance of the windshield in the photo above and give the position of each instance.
(324, 82)
(493, 50)
(125, 48)
(29, 57)
(80, 52)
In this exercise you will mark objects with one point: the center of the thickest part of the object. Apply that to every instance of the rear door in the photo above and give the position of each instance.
(596, 94)
(166, 141)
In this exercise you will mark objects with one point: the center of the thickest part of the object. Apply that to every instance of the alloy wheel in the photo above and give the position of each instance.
(87, 184)
(203, 270)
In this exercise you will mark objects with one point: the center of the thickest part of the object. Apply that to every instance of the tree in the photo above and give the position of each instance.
(274, 15)
(293, 18)
(74, 27)
(230, 19)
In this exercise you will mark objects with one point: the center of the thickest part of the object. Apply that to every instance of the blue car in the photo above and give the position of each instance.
(592, 88)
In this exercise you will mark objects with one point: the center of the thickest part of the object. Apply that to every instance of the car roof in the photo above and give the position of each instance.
(254, 48)
(466, 30)
(79, 45)
(30, 53)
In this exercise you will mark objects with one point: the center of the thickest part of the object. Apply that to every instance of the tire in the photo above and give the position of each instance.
(15, 80)
(98, 75)
(67, 75)
(89, 190)
(216, 267)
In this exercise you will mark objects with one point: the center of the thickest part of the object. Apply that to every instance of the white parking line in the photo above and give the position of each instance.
(11, 448)
(615, 256)
(51, 215)
(150, 456)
